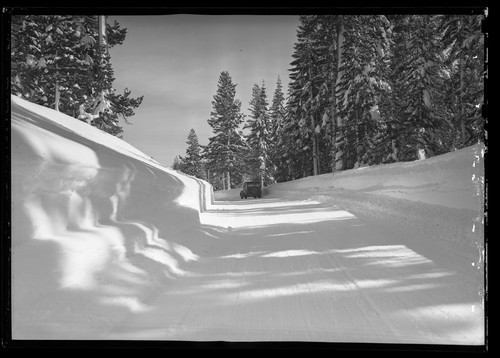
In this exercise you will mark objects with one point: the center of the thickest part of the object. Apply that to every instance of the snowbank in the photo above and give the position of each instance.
(97, 225)
(450, 180)
(439, 199)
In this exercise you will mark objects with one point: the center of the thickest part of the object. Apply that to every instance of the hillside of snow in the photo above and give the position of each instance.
(97, 225)
(441, 199)
(454, 180)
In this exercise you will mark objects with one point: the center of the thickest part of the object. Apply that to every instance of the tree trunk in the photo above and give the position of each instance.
(318, 160)
(313, 127)
(57, 93)
(358, 136)
(102, 48)
(462, 114)
(333, 114)
(229, 159)
(102, 30)
(394, 153)
(338, 128)
(223, 180)
(314, 146)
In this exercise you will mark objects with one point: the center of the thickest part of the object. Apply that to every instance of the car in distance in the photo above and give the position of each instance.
(251, 188)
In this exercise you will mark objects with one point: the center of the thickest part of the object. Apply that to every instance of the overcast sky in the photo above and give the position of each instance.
(175, 62)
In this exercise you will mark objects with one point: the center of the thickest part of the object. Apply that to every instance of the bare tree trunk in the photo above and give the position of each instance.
(314, 147)
(358, 136)
(318, 157)
(57, 92)
(229, 159)
(337, 121)
(314, 139)
(333, 114)
(462, 114)
(102, 30)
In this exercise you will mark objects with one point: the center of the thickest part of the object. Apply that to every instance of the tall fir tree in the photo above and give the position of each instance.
(57, 61)
(258, 139)
(192, 162)
(277, 113)
(463, 72)
(419, 122)
(305, 81)
(361, 87)
(225, 150)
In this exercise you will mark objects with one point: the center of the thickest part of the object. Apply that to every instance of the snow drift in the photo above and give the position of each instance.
(97, 225)
(441, 199)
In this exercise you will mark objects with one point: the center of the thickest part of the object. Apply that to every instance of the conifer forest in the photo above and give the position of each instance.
(363, 90)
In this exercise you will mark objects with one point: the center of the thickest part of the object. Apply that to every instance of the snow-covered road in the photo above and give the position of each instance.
(281, 269)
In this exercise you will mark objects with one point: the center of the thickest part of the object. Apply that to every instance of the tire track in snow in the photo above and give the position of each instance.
(365, 303)
(312, 282)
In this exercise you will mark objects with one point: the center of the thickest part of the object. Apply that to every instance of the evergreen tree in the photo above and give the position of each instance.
(360, 89)
(277, 113)
(463, 60)
(304, 89)
(192, 162)
(258, 140)
(177, 164)
(419, 120)
(225, 150)
(57, 61)
(252, 163)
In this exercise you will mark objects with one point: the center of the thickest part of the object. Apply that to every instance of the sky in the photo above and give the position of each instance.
(175, 61)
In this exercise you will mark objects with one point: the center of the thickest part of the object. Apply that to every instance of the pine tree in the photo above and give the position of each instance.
(177, 164)
(287, 147)
(225, 150)
(306, 80)
(277, 113)
(57, 61)
(258, 140)
(252, 163)
(192, 162)
(463, 60)
(420, 120)
(361, 86)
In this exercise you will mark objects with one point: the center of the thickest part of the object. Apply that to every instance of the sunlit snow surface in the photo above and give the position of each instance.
(108, 244)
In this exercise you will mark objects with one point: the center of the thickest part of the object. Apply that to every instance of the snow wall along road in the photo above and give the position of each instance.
(97, 225)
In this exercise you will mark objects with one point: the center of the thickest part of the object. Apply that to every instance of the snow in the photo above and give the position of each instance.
(440, 197)
(109, 244)
(89, 213)
(446, 180)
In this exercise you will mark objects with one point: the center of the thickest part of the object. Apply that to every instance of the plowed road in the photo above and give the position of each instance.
(283, 270)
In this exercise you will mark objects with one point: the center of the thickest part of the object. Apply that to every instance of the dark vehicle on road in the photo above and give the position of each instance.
(251, 188)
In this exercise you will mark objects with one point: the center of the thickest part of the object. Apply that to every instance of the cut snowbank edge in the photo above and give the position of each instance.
(97, 225)
(441, 199)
